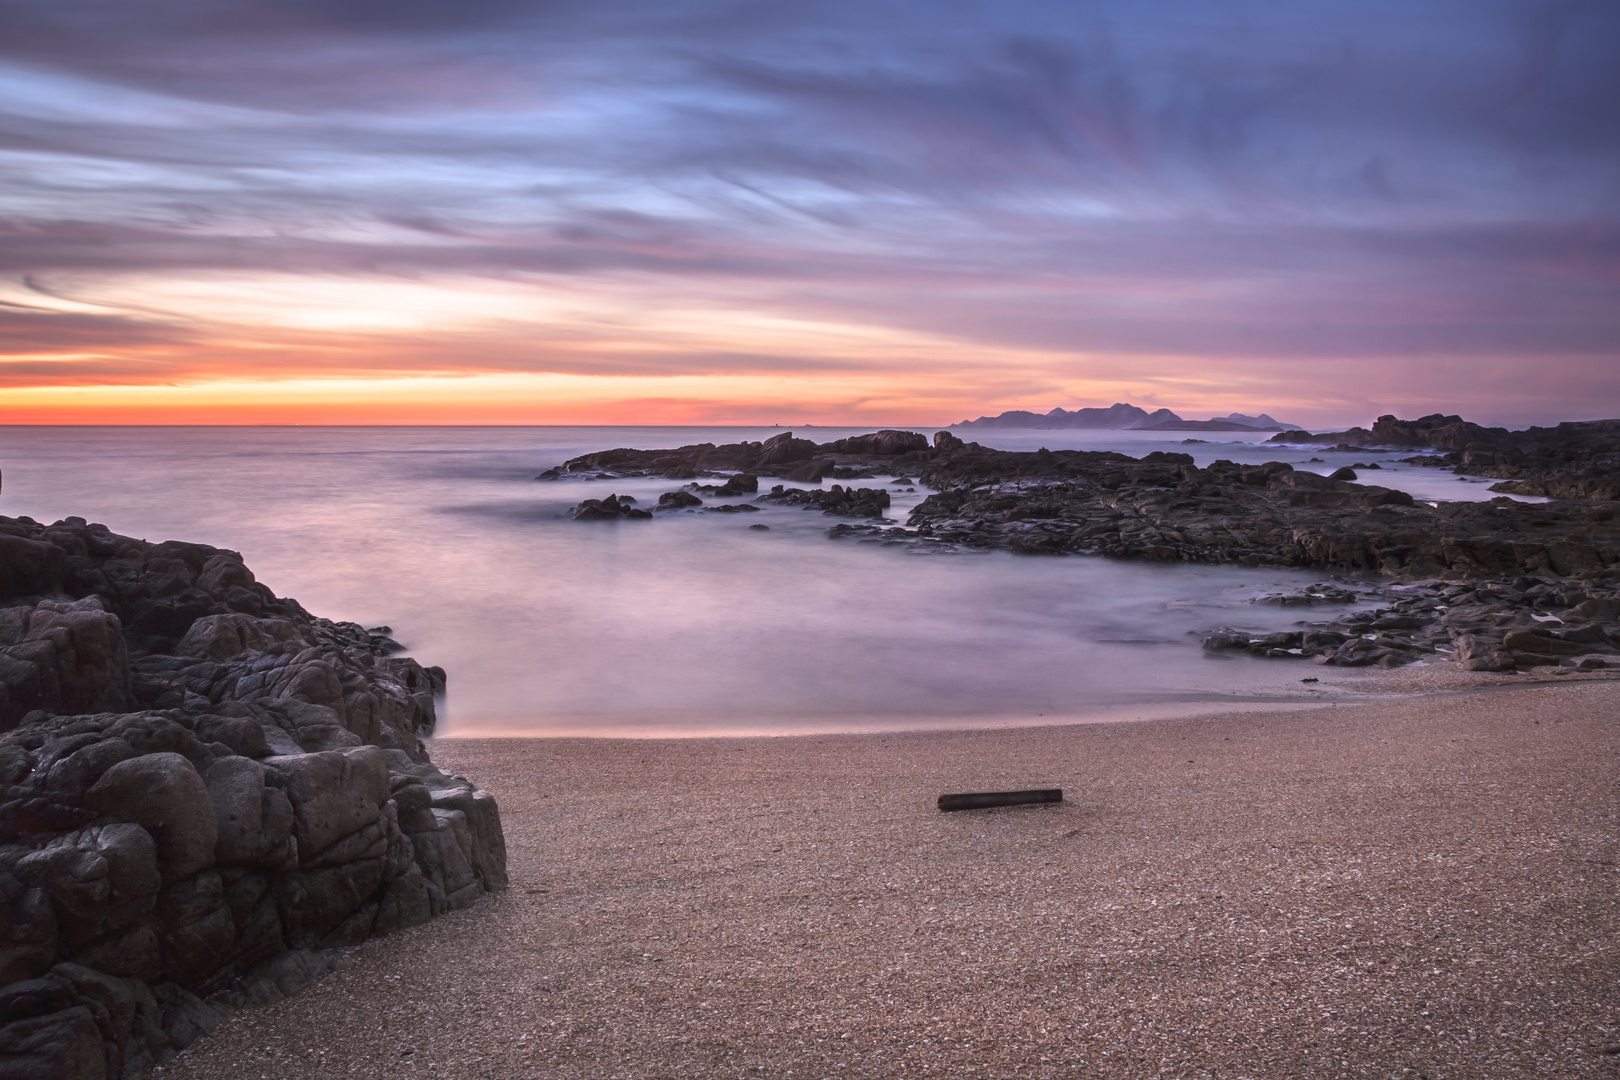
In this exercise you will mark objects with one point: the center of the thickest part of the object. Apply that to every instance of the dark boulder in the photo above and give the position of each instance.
(253, 820)
(62, 657)
(29, 567)
(163, 794)
(811, 472)
(886, 443)
(65, 1045)
(784, 448)
(333, 794)
(225, 637)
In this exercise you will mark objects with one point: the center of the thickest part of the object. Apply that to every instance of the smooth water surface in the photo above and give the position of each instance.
(690, 623)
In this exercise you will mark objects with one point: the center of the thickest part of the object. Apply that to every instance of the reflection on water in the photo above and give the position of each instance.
(689, 623)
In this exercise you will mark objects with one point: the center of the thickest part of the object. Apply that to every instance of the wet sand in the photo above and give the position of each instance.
(1423, 887)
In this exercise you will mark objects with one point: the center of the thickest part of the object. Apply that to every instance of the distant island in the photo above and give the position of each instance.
(1124, 417)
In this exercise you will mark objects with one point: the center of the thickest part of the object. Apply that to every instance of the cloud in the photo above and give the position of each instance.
(580, 185)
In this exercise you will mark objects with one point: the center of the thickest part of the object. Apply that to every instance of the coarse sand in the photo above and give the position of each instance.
(1424, 887)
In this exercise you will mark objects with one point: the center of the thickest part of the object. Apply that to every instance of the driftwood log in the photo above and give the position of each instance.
(983, 800)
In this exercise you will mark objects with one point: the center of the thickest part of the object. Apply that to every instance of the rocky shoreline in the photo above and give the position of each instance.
(1161, 507)
(1497, 586)
(1487, 625)
(206, 791)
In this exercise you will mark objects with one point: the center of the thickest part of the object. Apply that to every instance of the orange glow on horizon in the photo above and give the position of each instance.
(486, 399)
(266, 348)
(504, 398)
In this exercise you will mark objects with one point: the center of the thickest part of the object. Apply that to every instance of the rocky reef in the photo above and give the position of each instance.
(785, 456)
(1574, 460)
(204, 790)
(1498, 586)
(1164, 508)
(742, 464)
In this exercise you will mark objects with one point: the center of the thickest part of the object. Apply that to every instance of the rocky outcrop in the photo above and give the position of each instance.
(878, 444)
(1570, 461)
(1435, 431)
(1164, 508)
(677, 500)
(612, 508)
(784, 455)
(837, 501)
(1512, 625)
(739, 484)
(203, 790)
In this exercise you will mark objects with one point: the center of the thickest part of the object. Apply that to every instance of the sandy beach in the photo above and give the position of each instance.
(1424, 887)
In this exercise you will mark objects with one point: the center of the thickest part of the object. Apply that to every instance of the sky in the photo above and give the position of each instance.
(888, 212)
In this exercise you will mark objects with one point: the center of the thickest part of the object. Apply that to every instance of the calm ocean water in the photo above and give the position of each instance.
(689, 624)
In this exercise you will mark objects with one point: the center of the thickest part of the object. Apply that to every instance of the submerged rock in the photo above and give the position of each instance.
(677, 500)
(612, 508)
(740, 484)
(202, 787)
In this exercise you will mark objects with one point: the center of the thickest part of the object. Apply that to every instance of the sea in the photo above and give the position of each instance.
(691, 624)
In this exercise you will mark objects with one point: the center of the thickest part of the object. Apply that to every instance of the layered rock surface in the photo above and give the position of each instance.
(1485, 626)
(203, 788)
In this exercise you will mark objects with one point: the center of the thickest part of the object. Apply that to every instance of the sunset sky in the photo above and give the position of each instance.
(541, 211)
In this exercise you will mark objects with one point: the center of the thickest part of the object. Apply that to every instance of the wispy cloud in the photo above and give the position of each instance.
(1325, 195)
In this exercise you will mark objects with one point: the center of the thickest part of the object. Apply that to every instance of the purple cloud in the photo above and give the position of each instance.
(1368, 183)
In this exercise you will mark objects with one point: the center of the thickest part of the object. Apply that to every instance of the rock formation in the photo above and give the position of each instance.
(202, 789)
(836, 501)
(612, 508)
(677, 500)
(1164, 508)
(1435, 431)
(1510, 585)
(1570, 461)
(784, 455)
(1485, 626)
